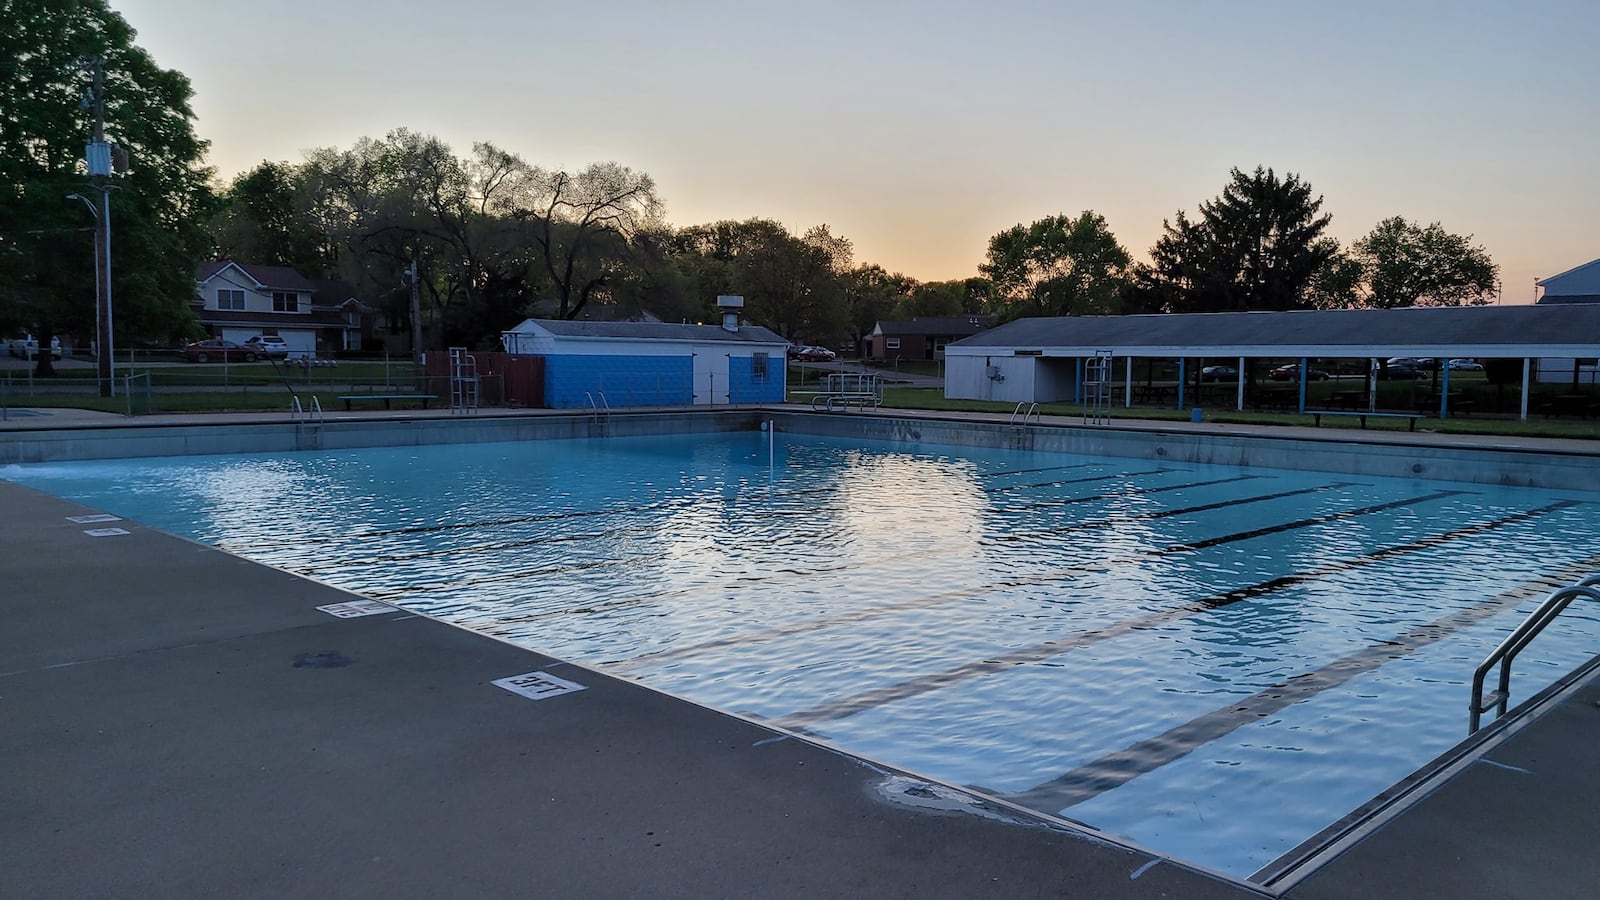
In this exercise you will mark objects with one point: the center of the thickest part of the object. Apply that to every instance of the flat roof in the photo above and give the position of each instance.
(1563, 330)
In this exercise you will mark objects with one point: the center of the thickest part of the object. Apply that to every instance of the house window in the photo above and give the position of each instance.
(285, 301)
(227, 299)
(758, 366)
(891, 343)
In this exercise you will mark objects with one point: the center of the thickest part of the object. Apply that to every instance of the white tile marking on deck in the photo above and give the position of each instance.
(356, 608)
(105, 532)
(102, 517)
(538, 685)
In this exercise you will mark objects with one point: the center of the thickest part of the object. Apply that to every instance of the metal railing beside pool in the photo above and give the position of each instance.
(1503, 655)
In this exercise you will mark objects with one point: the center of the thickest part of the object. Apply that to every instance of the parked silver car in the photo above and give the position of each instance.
(270, 346)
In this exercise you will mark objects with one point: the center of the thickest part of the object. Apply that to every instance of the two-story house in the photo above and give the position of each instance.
(236, 302)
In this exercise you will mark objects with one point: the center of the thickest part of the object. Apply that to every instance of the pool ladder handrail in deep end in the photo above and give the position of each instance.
(1514, 643)
(1032, 411)
(602, 410)
(298, 412)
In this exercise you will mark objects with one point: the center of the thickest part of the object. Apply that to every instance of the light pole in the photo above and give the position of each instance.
(102, 286)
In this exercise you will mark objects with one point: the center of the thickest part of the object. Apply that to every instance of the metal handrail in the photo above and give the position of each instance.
(1514, 643)
(1033, 410)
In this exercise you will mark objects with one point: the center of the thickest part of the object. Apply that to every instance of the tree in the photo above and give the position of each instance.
(1404, 264)
(46, 248)
(1258, 245)
(1337, 282)
(790, 284)
(871, 295)
(262, 220)
(577, 219)
(1058, 266)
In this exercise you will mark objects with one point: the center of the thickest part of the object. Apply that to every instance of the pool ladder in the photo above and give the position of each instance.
(1503, 655)
(601, 424)
(307, 423)
(1021, 437)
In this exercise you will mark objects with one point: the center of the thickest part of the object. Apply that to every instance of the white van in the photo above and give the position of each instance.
(27, 346)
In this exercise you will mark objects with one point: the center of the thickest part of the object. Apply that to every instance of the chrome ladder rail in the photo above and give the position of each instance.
(1031, 411)
(1553, 605)
(602, 411)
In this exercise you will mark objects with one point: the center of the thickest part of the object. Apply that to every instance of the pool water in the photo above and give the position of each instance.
(1215, 663)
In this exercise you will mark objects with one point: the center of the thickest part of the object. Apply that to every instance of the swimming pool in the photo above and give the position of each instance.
(1213, 662)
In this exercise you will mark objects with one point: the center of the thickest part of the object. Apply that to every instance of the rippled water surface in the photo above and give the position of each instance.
(1214, 662)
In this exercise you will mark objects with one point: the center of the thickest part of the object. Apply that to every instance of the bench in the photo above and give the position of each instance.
(832, 400)
(386, 398)
(1317, 414)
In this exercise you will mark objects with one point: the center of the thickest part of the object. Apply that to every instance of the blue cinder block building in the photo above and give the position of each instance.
(654, 363)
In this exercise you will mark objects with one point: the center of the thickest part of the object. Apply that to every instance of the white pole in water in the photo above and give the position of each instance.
(772, 439)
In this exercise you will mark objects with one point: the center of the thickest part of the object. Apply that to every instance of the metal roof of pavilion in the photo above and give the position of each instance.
(1562, 330)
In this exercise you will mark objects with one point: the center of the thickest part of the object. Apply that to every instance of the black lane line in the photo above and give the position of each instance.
(671, 503)
(1116, 769)
(1168, 513)
(962, 672)
(1132, 492)
(502, 577)
(849, 706)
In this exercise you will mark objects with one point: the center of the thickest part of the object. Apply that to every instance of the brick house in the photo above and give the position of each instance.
(922, 337)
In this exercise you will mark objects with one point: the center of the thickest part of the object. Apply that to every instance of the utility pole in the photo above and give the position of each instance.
(98, 157)
(416, 311)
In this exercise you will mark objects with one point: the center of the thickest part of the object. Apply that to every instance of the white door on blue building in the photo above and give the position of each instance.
(710, 376)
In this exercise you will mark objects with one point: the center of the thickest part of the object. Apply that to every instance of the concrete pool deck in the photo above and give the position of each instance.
(179, 722)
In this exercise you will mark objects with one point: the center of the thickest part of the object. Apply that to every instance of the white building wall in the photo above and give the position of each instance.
(1004, 379)
(1555, 370)
(1584, 280)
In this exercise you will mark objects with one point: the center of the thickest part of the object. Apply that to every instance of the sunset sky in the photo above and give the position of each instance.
(920, 129)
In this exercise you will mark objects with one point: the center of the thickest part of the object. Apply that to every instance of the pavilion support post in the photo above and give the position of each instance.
(1127, 386)
(1527, 375)
(1240, 407)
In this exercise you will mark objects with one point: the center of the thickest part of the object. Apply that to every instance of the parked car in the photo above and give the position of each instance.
(218, 350)
(1400, 373)
(814, 354)
(270, 346)
(1465, 365)
(27, 347)
(1219, 373)
(1292, 372)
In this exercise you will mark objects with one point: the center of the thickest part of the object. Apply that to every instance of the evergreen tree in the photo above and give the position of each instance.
(1256, 246)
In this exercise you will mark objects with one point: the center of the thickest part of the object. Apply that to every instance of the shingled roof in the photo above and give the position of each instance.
(1565, 329)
